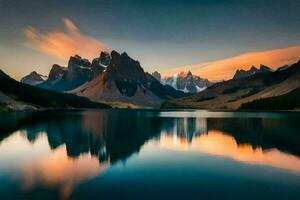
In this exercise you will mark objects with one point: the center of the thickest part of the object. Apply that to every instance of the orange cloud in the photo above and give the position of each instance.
(64, 44)
(225, 68)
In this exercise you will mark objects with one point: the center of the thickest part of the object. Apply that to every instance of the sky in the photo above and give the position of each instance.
(211, 37)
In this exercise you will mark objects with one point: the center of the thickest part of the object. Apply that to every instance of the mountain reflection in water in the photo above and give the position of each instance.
(60, 150)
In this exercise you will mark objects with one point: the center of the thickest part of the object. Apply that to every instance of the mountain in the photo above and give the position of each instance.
(187, 82)
(156, 75)
(253, 70)
(104, 59)
(124, 80)
(235, 92)
(78, 72)
(283, 67)
(33, 78)
(55, 75)
(18, 96)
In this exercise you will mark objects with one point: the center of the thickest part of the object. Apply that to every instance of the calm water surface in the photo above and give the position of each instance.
(136, 154)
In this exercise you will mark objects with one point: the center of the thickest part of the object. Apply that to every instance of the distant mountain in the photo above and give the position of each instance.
(18, 96)
(187, 82)
(156, 75)
(253, 70)
(33, 78)
(283, 68)
(78, 72)
(235, 92)
(124, 80)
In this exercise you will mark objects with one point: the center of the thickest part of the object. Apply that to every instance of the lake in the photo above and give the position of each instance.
(145, 154)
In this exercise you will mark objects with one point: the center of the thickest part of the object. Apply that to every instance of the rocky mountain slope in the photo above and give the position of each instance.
(233, 93)
(186, 82)
(18, 96)
(124, 80)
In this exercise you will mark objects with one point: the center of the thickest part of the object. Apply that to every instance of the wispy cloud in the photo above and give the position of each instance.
(63, 44)
(225, 68)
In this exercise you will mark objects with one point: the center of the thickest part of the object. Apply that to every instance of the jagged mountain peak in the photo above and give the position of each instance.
(104, 58)
(124, 67)
(33, 78)
(124, 80)
(232, 94)
(121, 79)
(78, 72)
(57, 67)
(33, 73)
(56, 72)
(187, 82)
(241, 73)
(37, 76)
(253, 68)
(114, 54)
(184, 74)
(124, 54)
(265, 68)
(76, 61)
(76, 56)
(156, 75)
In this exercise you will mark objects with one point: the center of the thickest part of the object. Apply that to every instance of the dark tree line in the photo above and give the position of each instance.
(289, 101)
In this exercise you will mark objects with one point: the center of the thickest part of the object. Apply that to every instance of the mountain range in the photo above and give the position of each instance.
(112, 78)
(124, 80)
(184, 81)
(18, 96)
(78, 72)
(253, 70)
(234, 93)
(119, 81)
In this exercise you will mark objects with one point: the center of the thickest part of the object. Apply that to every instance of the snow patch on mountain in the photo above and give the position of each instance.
(186, 82)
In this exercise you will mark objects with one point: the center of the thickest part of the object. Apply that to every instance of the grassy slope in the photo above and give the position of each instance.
(39, 97)
(289, 101)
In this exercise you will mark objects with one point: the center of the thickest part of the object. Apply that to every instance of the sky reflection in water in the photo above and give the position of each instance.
(58, 153)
